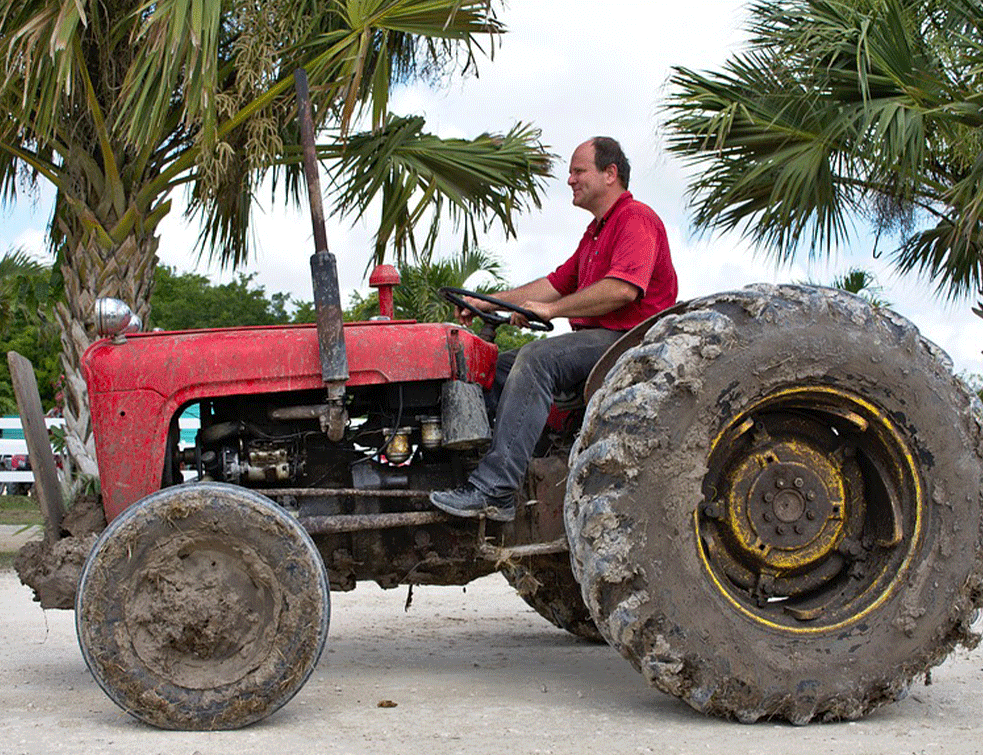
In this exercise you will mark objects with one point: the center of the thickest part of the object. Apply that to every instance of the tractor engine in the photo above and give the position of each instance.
(393, 440)
(400, 442)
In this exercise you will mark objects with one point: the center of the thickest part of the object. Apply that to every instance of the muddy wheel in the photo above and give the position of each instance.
(547, 584)
(775, 505)
(203, 606)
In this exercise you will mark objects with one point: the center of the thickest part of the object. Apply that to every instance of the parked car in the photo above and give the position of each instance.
(16, 463)
(20, 463)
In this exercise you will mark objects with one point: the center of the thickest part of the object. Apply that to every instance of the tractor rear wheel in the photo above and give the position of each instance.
(203, 606)
(547, 584)
(774, 506)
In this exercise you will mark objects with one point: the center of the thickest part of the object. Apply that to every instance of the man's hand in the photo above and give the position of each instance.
(542, 309)
(466, 316)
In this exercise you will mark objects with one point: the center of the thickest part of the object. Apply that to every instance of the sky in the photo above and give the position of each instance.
(574, 69)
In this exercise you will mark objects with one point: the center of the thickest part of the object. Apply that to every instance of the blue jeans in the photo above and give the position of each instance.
(525, 381)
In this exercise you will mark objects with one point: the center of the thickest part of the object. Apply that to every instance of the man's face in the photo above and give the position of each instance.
(590, 185)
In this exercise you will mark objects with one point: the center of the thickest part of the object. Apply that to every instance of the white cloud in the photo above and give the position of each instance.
(33, 241)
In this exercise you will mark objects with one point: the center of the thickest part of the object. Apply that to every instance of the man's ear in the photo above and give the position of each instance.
(611, 174)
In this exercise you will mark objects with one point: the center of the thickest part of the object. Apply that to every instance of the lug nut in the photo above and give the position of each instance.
(780, 482)
(798, 482)
(712, 511)
(811, 495)
(798, 529)
(780, 529)
(810, 515)
(769, 497)
(767, 516)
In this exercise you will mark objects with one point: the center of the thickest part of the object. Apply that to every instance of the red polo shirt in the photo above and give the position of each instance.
(629, 243)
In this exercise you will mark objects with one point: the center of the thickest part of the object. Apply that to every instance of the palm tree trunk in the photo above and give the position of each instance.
(91, 272)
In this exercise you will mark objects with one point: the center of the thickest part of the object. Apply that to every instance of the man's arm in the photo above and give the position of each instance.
(539, 290)
(599, 298)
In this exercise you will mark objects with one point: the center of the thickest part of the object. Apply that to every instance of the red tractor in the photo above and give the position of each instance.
(770, 503)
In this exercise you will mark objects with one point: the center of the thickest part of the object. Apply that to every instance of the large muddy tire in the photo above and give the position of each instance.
(203, 606)
(547, 584)
(774, 506)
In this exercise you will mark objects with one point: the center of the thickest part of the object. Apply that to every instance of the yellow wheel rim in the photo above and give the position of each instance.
(813, 508)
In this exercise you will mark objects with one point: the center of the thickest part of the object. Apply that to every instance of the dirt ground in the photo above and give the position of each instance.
(470, 670)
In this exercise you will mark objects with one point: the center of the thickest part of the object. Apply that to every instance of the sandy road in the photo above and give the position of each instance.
(470, 671)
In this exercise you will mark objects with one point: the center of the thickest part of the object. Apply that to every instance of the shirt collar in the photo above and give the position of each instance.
(596, 226)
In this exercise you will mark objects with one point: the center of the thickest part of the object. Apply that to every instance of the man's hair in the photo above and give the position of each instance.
(607, 152)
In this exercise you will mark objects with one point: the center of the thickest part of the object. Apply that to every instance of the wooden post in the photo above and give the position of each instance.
(38, 446)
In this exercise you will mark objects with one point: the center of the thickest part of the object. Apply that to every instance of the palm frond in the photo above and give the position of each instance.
(118, 103)
(26, 288)
(420, 176)
(843, 110)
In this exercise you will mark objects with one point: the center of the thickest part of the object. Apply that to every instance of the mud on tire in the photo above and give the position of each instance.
(774, 506)
(203, 606)
(547, 584)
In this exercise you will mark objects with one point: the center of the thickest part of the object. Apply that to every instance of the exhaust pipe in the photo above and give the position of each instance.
(324, 278)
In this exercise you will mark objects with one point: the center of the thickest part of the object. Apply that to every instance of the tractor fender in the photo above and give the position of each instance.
(629, 340)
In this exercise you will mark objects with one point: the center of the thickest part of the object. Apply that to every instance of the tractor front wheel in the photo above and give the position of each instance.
(203, 606)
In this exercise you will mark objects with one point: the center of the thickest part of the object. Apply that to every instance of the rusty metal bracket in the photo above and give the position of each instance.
(363, 492)
(333, 524)
(500, 554)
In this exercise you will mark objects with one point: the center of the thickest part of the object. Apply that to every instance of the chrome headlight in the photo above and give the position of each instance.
(135, 325)
(114, 317)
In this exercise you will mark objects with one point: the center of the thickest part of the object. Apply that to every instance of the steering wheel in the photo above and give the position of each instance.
(456, 297)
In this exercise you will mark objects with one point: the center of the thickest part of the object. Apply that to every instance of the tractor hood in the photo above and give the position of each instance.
(138, 386)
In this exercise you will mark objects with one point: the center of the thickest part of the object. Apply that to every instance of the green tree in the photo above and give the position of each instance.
(304, 312)
(857, 281)
(27, 325)
(186, 301)
(117, 104)
(417, 297)
(863, 283)
(843, 110)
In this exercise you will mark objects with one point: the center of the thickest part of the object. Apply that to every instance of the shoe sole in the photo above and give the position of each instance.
(499, 515)
(489, 512)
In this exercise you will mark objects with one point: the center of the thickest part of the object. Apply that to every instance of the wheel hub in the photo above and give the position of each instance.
(786, 506)
(202, 614)
(811, 503)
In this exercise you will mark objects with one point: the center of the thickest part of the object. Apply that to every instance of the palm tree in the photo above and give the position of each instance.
(420, 283)
(857, 281)
(118, 103)
(416, 297)
(843, 110)
(862, 283)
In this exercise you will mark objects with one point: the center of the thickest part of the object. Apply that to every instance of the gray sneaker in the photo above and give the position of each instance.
(470, 502)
